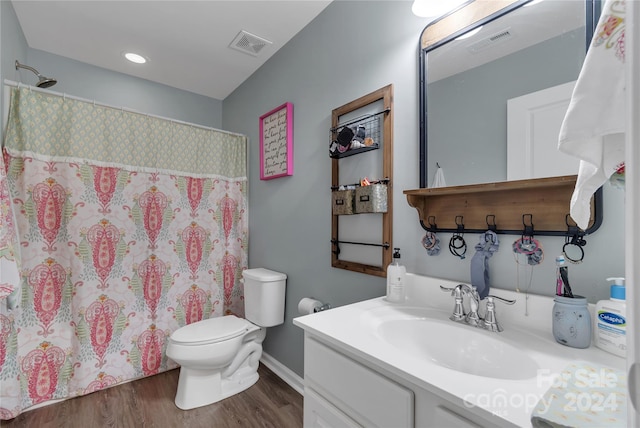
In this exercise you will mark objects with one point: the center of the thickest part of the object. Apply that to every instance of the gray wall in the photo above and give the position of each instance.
(121, 90)
(13, 45)
(351, 49)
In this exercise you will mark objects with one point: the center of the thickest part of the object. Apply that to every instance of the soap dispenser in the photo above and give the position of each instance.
(396, 279)
(611, 320)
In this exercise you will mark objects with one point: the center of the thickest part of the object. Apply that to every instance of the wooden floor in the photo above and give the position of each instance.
(149, 403)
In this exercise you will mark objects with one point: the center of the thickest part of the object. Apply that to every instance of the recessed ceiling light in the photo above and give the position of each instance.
(134, 57)
(470, 33)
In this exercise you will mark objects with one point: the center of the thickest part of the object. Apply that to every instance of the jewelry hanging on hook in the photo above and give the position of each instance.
(573, 243)
(457, 244)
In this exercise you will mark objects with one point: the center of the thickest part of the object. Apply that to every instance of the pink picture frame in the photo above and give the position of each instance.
(276, 142)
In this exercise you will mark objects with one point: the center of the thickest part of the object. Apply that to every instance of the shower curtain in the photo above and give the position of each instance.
(116, 229)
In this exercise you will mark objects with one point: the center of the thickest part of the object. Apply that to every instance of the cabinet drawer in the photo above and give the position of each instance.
(369, 398)
(319, 413)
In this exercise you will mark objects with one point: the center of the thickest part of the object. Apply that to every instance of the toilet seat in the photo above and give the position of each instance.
(211, 330)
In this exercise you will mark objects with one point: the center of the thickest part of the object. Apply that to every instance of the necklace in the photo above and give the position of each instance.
(529, 267)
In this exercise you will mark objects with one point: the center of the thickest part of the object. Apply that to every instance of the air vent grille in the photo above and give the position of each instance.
(249, 43)
(492, 40)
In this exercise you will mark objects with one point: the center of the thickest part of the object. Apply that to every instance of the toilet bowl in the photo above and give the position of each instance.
(219, 357)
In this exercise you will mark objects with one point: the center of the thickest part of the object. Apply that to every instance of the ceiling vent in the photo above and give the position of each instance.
(492, 40)
(249, 43)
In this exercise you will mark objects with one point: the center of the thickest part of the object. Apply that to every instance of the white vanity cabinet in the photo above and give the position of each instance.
(343, 390)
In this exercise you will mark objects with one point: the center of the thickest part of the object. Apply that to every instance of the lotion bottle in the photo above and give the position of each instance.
(396, 274)
(611, 320)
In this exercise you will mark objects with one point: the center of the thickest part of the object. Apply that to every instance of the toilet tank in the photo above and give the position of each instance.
(264, 294)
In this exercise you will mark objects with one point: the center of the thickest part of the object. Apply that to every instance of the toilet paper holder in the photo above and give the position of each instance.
(324, 307)
(309, 305)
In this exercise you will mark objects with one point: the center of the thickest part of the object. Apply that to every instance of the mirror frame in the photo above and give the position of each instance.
(466, 17)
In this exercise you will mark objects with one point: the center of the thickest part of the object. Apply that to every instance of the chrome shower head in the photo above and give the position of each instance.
(43, 82)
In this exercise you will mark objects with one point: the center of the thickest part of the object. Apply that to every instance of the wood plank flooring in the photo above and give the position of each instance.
(149, 403)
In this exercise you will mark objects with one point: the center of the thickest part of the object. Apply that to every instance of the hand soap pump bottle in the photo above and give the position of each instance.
(396, 274)
(611, 320)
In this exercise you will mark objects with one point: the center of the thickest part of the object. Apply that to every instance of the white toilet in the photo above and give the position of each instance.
(219, 356)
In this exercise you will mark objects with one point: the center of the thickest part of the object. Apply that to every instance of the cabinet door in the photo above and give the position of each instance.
(319, 413)
(369, 398)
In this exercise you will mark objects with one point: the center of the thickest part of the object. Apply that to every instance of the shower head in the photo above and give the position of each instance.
(43, 82)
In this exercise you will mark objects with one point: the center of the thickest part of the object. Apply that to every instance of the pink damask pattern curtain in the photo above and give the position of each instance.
(110, 258)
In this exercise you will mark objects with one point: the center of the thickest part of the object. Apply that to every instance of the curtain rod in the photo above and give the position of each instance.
(95, 103)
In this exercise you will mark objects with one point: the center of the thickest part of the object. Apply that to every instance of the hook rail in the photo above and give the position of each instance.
(543, 202)
(573, 234)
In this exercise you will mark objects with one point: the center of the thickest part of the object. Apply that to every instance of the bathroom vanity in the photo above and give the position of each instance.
(378, 364)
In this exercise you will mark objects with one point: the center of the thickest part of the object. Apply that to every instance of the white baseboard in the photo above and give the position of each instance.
(283, 372)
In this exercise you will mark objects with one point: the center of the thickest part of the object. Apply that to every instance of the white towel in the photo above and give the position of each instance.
(438, 178)
(593, 128)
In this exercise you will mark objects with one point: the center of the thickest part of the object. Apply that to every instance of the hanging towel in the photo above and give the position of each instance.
(438, 178)
(583, 395)
(593, 128)
(488, 245)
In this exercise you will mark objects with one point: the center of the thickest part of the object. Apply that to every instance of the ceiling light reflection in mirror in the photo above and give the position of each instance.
(434, 8)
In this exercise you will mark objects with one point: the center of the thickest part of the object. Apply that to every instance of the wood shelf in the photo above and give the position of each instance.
(352, 152)
(545, 200)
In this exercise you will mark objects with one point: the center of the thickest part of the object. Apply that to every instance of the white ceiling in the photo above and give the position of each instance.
(187, 42)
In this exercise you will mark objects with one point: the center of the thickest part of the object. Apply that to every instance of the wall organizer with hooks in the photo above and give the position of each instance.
(501, 206)
(372, 115)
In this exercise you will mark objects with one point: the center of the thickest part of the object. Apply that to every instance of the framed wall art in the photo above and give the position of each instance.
(276, 142)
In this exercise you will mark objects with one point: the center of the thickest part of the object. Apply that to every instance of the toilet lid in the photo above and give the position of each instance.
(210, 330)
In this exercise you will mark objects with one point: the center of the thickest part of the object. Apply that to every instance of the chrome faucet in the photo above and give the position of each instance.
(489, 322)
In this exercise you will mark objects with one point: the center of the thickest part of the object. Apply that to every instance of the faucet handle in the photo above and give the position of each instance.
(490, 321)
(458, 309)
(490, 298)
(455, 292)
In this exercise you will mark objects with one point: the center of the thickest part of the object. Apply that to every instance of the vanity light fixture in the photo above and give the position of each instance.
(134, 57)
(434, 8)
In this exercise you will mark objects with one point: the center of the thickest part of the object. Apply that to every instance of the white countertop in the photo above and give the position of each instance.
(527, 325)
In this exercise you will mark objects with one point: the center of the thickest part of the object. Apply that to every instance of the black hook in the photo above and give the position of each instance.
(528, 228)
(575, 235)
(574, 238)
(491, 225)
(432, 223)
(457, 245)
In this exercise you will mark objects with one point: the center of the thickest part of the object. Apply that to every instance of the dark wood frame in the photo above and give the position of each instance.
(445, 205)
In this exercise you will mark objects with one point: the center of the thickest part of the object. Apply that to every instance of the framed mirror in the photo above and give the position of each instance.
(496, 78)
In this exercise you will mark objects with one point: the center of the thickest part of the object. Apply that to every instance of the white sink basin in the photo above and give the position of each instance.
(452, 345)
